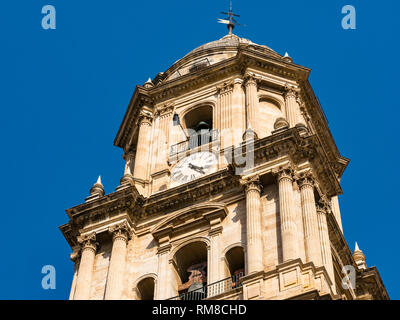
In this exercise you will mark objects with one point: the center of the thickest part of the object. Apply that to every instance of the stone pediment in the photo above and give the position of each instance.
(195, 215)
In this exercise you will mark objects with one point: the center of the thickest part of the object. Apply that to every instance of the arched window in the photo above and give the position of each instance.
(269, 111)
(145, 289)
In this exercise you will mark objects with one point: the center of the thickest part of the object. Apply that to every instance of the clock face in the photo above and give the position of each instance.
(193, 166)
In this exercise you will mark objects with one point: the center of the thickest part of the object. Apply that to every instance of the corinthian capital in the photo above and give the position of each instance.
(285, 172)
(120, 231)
(165, 110)
(251, 79)
(145, 119)
(252, 183)
(88, 241)
(305, 179)
(226, 87)
(290, 92)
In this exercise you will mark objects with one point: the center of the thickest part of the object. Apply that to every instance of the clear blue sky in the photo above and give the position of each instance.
(63, 94)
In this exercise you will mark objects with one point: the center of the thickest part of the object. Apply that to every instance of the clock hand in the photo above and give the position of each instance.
(196, 168)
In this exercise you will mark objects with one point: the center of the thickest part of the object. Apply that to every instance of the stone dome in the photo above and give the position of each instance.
(214, 52)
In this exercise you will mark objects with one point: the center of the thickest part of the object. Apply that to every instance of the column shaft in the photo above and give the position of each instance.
(254, 233)
(326, 245)
(117, 263)
(252, 104)
(73, 286)
(310, 222)
(288, 224)
(291, 107)
(214, 266)
(163, 138)
(225, 114)
(238, 111)
(336, 211)
(83, 284)
(163, 275)
(143, 144)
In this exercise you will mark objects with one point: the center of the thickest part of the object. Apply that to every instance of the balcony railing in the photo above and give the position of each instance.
(212, 289)
(194, 141)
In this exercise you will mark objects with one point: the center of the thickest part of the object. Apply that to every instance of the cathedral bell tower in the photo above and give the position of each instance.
(229, 189)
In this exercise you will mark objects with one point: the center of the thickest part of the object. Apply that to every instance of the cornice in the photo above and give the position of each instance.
(180, 196)
(298, 148)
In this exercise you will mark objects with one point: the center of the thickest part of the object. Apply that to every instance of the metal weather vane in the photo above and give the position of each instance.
(230, 21)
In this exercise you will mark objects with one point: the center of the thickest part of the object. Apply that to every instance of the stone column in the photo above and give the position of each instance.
(74, 256)
(336, 211)
(287, 214)
(252, 103)
(164, 123)
(214, 261)
(142, 151)
(239, 111)
(114, 285)
(326, 252)
(253, 223)
(224, 103)
(310, 221)
(163, 274)
(88, 253)
(292, 106)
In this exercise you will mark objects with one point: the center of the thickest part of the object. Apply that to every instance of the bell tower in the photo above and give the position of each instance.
(229, 191)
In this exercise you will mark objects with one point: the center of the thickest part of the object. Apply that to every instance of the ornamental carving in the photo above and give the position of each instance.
(290, 92)
(145, 119)
(250, 79)
(225, 88)
(120, 231)
(306, 179)
(284, 173)
(164, 111)
(88, 241)
(252, 183)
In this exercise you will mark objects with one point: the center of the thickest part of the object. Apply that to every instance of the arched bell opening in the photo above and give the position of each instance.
(190, 264)
(234, 259)
(145, 289)
(199, 125)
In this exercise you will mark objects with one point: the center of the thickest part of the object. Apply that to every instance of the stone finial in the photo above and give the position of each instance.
(287, 58)
(96, 191)
(281, 123)
(149, 84)
(249, 134)
(359, 257)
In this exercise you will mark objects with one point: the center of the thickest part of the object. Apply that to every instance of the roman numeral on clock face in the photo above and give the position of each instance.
(193, 167)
